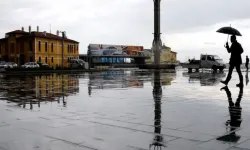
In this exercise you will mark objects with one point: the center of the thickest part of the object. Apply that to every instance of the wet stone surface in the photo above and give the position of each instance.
(124, 110)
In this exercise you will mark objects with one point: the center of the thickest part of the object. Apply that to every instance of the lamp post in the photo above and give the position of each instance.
(63, 36)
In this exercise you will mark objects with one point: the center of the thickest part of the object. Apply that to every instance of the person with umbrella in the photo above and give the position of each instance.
(236, 50)
(235, 61)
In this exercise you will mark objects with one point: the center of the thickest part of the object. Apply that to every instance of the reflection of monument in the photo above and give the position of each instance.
(36, 89)
(158, 141)
(235, 117)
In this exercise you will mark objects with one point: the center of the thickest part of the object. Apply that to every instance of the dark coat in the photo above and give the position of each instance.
(236, 50)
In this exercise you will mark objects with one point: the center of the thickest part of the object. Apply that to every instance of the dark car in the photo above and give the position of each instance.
(43, 65)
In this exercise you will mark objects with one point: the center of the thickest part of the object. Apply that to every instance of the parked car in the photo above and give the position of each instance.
(10, 65)
(30, 65)
(2, 64)
(43, 65)
(76, 63)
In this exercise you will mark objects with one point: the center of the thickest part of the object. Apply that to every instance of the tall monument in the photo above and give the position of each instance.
(157, 32)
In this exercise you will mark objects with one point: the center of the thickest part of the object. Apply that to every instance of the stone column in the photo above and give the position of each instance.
(157, 44)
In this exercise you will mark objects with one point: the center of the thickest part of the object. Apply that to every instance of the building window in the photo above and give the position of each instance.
(39, 59)
(68, 59)
(30, 45)
(39, 46)
(68, 48)
(52, 59)
(46, 46)
(52, 47)
(31, 59)
(46, 59)
(0, 48)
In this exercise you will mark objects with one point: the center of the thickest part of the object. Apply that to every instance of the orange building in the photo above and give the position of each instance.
(20, 47)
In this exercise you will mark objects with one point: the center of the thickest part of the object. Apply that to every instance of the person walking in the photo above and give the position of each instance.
(235, 60)
(247, 62)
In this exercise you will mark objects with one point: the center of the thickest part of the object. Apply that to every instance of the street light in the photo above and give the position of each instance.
(63, 36)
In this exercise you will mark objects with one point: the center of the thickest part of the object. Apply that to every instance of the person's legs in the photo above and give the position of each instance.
(240, 74)
(229, 75)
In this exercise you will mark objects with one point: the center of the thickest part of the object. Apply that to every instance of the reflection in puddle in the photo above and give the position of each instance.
(158, 141)
(233, 124)
(205, 78)
(30, 90)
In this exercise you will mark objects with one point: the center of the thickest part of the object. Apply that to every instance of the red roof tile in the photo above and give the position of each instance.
(50, 36)
(39, 34)
(17, 32)
(4, 39)
(47, 36)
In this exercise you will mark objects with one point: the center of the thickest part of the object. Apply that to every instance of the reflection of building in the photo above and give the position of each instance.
(113, 79)
(167, 55)
(167, 79)
(33, 46)
(56, 85)
(36, 89)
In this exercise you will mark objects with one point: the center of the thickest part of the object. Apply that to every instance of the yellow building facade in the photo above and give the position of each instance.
(20, 47)
(167, 56)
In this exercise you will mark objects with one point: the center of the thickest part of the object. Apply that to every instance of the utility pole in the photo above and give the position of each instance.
(157, 44)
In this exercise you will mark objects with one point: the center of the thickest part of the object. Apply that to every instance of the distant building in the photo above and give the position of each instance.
(107, 49)
(167, 55)
(20, 47)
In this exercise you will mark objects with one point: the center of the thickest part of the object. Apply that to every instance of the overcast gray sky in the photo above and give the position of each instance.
(188, 26)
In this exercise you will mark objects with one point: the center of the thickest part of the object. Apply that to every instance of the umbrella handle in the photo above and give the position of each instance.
(228, 34)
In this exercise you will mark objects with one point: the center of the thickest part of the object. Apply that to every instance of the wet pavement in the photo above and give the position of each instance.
(123, 110)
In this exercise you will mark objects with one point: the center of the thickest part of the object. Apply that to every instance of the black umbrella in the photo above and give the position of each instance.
(229, 30)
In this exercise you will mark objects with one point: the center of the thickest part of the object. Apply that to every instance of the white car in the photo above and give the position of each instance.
(10, 65)
(30, 65)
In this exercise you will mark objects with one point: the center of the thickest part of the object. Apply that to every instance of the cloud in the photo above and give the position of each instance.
(195, 43)
(186, 25)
